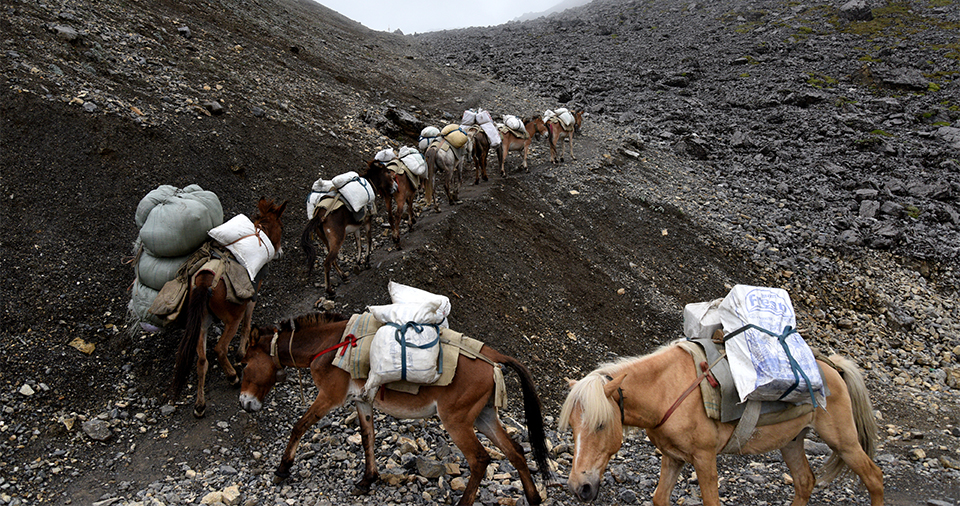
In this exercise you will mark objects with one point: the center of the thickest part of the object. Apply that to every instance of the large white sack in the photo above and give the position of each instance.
(429, 131)
(512, 122)
(415, 163)
(701, 319)
(469, 117)
(405, 294)
(178, 225)
(320, 188)
(404, 351)
(492, 133)
(322, 185)
(342, 179)
(385, 155)
(567, 119)
(406, 150)
(154, 271)
(483, 117)
(357, 193)
(251, 247)
(758, 362)
(417, 312)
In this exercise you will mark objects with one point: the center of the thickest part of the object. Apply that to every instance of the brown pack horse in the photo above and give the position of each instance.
(535, 127)
(333, 228)
(639, 391)
(558, 134)
(205, 301)
(479, 149)
(464, 404)
(401, 193)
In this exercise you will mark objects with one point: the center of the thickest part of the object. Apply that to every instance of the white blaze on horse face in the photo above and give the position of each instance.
(593, 448)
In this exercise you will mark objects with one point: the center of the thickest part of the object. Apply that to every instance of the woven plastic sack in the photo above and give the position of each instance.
(430, 131)
(406, 347)
(512, 122)
(357, 193)
(251, 247)
(469, 117)
(175, 222)
(768, 359)
(141, 298)
(405, 294)
(415, 163)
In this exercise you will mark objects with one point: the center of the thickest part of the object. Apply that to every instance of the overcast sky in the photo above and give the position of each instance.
(418, 16)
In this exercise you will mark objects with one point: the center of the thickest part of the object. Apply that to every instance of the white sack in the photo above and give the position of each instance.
(404, 294)
(342, 179)
(430, 131)
(406, 150)
(385, 155)
(410, 353)
(415, 163)
(322, 185)
(492, 133)
(701, 319)
(469, 117)
(513, 123)
(320, 188)
(357, 193)
(567, 119)
(251, 247)
(483, 117)
(758, 362)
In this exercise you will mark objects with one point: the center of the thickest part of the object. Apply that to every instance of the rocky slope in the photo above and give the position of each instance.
(563, 267)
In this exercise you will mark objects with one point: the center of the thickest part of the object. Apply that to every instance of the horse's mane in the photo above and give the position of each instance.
(310, 320)
(588, 392)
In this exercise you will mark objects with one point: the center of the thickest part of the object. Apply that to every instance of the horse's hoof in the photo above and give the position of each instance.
(199, 411)
(485, 178)
(234, 381)
(279, 476)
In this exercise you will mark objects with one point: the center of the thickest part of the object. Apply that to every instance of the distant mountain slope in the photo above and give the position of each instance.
(560, 7)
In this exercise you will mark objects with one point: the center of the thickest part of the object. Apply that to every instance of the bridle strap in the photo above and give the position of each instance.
(687, 392)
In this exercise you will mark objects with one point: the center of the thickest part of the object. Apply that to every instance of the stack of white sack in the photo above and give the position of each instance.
(407, 347)
(485, 121)
(320, 188)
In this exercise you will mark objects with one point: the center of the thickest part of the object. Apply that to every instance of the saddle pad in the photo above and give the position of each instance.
(399, 167)
(356, 359)
(519, 134)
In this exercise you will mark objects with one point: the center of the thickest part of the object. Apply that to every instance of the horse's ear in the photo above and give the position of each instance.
(281, 208)
(570, 382)
(254, 335)
(611, 387)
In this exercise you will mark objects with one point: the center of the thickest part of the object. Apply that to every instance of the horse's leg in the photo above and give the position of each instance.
(223, 345)
(245, 329)
(489, 424)
(838, 430)
(368, 223)
(200, 405)
(803, 478)
(669, 472)
(333, 250)
(502, 156)
(324, 402)
(367, 437)
(705, 464)
(465, 438)
(526, 152)
(570, 140)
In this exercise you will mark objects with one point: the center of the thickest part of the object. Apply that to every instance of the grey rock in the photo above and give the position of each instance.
(97, 429)
(856, 10)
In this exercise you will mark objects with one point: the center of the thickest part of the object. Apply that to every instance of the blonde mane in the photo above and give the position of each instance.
(588, 393)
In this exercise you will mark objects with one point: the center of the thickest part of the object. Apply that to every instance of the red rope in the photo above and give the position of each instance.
(350, 340)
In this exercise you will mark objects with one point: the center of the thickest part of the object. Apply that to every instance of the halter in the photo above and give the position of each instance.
(620, 400)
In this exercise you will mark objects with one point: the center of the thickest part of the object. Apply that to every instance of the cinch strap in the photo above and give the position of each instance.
(794, 366)
(401, 338)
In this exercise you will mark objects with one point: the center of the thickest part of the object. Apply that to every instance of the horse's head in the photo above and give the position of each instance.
(260, 371)
(268, 220)
(535, 126)
(592, 413)
(381, 177)
(578, 121)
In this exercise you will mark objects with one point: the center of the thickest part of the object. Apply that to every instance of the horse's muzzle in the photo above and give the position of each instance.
(250, 403)
(587, 492)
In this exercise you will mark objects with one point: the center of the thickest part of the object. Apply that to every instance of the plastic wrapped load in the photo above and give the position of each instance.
(768, 359)
(385, 155)
(175, 222)
(250, 246)
(154, 272)
(413, 160)
(355, 190)
(320, 188)
(454, 135)
(701, 319)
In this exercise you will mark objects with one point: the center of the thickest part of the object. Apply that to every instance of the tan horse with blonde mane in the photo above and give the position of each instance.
(466, 403)
(639, 392)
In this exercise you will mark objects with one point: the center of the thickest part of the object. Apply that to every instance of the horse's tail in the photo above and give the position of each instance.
(533, 411)
(196, 313)
(306, 239)
(862, 417)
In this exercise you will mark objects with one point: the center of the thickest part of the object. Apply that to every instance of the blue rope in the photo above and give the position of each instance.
(794, 366)
(400, 337)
